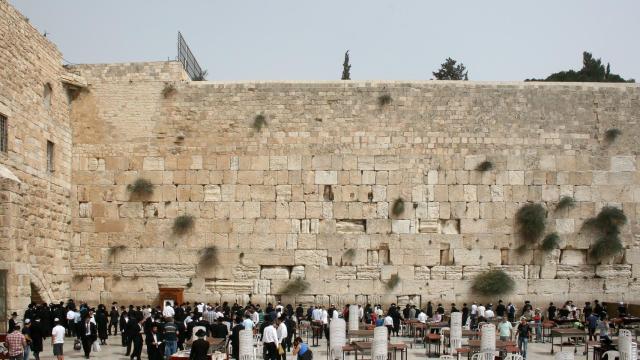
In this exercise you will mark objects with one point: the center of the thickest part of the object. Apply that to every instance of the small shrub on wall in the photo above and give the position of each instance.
(183, 224)
(393, 281)
(294, 287)
(550, 242)
(493, 283)
(485, 166)
(141, 187)
(259, 121)
(566, 202)
(612, 134)
(384, 100)
(531, 221)
(208, 256)
(607, 225)
(398, 207)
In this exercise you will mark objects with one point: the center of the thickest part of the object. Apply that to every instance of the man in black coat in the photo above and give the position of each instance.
(235, 337)
(137, 332)
(219, 330)
(200, 347)
(154, 342)
(88, 334)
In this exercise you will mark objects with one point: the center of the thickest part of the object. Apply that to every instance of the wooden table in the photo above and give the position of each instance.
(500, 344)
(364, 334)
(363, 346)
(182, 355)
(568, 333)
(214, 343)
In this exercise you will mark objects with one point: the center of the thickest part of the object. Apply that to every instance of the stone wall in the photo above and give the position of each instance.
(319, 179)
(34, 202)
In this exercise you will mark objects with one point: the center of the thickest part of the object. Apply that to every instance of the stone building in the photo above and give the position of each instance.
(287, 180)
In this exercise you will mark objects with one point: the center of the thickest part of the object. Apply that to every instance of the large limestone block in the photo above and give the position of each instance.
(326, 177)
(477, 256)
(623, 163)
(621, 271)
(274, 273)
(401, 226)
(384, 162)
(575, 271)
(153, 163)
(573, 257)
(555, 288)
(368, 272)
(378, 226)
(310, 257)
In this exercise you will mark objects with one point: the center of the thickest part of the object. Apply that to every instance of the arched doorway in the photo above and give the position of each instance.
(35, 295)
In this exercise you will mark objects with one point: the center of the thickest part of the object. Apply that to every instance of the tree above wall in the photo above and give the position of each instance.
(593, 70)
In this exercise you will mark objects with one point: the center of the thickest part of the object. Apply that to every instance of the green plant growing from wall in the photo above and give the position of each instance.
(607, 225)
(208, 256)
(183, 224)
(168, 90)
(189, 285)
(294, 287)
(398, 207)
(393, 281)
(259, 121)
(531, 221)
(612, 134)
(493, 283)
(141, 187)
(484, 166)
(550, 242)
(566, 202)
(384, 100)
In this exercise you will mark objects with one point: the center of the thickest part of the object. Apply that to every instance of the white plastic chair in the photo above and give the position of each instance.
(514, 357)
(483, 356)
(611, 355)
(455, 344)
(564, 355)
(446, 357)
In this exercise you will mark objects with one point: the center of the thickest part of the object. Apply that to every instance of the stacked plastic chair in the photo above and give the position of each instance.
(514, 357)
(379, 347)
(354, 317)
(337, 338)
(564, 355)
(483, 356)
(455, 333)
(627, 348)
(488, 338)
(247, 350)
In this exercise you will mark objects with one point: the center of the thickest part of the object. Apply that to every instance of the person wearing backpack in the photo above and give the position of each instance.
(301, 350)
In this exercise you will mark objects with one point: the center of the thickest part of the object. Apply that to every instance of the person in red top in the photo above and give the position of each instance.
(16, 343)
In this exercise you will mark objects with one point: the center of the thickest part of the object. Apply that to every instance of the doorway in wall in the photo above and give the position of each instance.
(173, 295)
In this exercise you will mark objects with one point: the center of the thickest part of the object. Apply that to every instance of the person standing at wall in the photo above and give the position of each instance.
(37, 336)
(88, 334)
(270, 342)
(137, 337)
(114, 317)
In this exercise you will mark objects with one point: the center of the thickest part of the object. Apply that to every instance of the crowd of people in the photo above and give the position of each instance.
(167, 329)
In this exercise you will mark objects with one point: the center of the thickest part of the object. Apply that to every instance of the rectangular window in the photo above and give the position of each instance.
(50, 155)
(3, 133)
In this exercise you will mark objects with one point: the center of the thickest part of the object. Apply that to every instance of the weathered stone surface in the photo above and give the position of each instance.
(290, 200)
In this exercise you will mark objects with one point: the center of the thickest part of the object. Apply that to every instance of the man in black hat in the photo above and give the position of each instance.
(200, 347)
(13, 321)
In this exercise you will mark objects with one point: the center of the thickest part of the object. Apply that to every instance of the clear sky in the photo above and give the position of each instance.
(306, 40)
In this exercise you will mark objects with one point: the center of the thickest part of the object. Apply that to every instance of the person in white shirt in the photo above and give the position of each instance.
(57, 339)
(488, 314)
(255, 317)
(388, 323)
(282, 335)
(316, 315)
(279, 307)
(168, 311)
(360, 313)
(325, 322)
(270, 342)
(422, 317)
(200, 307)
(481, 310)
(71, 315)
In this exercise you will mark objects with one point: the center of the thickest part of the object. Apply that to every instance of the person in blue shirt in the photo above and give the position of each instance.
(301, 350)
(592, 324)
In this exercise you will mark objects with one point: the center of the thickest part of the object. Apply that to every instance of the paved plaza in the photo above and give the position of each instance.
(537, 351)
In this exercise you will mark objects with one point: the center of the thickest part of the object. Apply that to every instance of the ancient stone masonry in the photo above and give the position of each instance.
(275, 181)
(311, 192)
(34, 200)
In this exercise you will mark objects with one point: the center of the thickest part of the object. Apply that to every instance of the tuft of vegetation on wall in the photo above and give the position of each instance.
(208, 256)
(259, 121)
(141, 187)
(384, 100)
(484, 166)
(393, 281)
(612, 134)
(398, 207)
(168, 90)
(493, 283)
(566, 202)
(607, 225)
(550, 242)
(531, 221)
(294, 287)
(183, 224)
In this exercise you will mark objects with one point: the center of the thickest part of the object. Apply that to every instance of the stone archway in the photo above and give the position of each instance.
(43, 293)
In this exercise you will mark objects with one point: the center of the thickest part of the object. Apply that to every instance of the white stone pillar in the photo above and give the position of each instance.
(246, 345)
(379, 346)
(488, 338)
(353, 317)
(337, 337)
